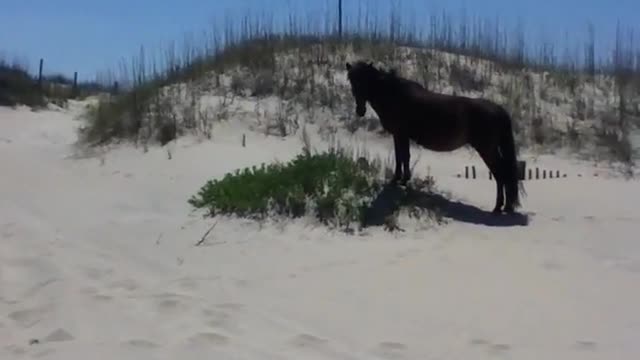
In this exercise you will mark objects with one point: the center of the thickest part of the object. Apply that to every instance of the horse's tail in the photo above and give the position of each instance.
(513, 185)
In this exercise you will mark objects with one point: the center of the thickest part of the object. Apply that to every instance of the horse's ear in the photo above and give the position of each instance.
(348, 66)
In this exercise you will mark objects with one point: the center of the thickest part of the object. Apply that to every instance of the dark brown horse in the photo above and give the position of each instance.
(440, 123)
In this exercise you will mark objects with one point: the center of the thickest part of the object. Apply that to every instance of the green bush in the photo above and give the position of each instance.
(331, 186)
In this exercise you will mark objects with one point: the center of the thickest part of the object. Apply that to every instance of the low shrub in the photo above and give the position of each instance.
(331, 186)
(335, 187)
(18, 88)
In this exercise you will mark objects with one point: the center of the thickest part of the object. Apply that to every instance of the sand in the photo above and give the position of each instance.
(97, 261)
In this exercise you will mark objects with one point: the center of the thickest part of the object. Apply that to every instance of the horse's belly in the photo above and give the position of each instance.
(442, 147)
(441, 141)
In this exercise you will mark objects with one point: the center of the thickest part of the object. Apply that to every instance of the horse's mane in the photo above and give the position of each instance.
(392, 75)
(388, 75)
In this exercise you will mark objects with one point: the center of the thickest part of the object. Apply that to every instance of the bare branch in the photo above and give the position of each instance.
(204, 237)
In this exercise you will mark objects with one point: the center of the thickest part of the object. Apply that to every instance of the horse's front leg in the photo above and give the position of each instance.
(403, 172)
(398, 154)
(406, 156)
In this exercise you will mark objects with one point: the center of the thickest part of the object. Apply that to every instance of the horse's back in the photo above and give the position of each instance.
(443, 122)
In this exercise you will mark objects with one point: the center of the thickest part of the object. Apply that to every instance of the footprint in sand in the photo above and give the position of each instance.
(59, 335)
(408, 253)
(188, 284)
(586, 345)
(7, 230)
(391, 350)
(230, 306)
(193, 283)
(306, 340)
(208, 339)
(15, 349)
(95, 294)
(479, 342)
(241, 283)
(28, 317)
(97, 274)
(310, 343)
(102, 297)
(39, 286)
(329, 265)
(499, 348)
(168, 304)
(44, 353)
(141, 344)
(552, 265)
(218, 319)
(125, 284)
(171, 302)
(494, 349)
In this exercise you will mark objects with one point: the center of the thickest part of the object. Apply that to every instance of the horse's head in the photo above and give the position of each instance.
(360, 75)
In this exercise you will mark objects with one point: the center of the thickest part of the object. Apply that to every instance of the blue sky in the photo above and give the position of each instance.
(84, 36)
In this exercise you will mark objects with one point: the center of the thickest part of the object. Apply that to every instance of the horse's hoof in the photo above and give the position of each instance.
(396, 180)
(497, 211)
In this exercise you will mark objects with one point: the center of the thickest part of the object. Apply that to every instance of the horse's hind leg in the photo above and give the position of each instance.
(492, 159)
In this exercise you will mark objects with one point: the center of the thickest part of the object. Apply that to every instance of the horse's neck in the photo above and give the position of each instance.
(383, 95)
(382, 92)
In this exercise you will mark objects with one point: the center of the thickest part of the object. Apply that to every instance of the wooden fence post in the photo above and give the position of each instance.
(40, 73)
(340, 18)
(74, 91)
(522, 168)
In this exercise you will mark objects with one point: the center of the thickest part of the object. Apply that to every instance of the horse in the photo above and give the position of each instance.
(441, 123)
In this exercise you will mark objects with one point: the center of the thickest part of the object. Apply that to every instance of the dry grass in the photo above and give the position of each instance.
(553, 102)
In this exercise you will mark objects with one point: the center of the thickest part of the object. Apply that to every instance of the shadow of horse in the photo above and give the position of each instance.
(392, 197)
